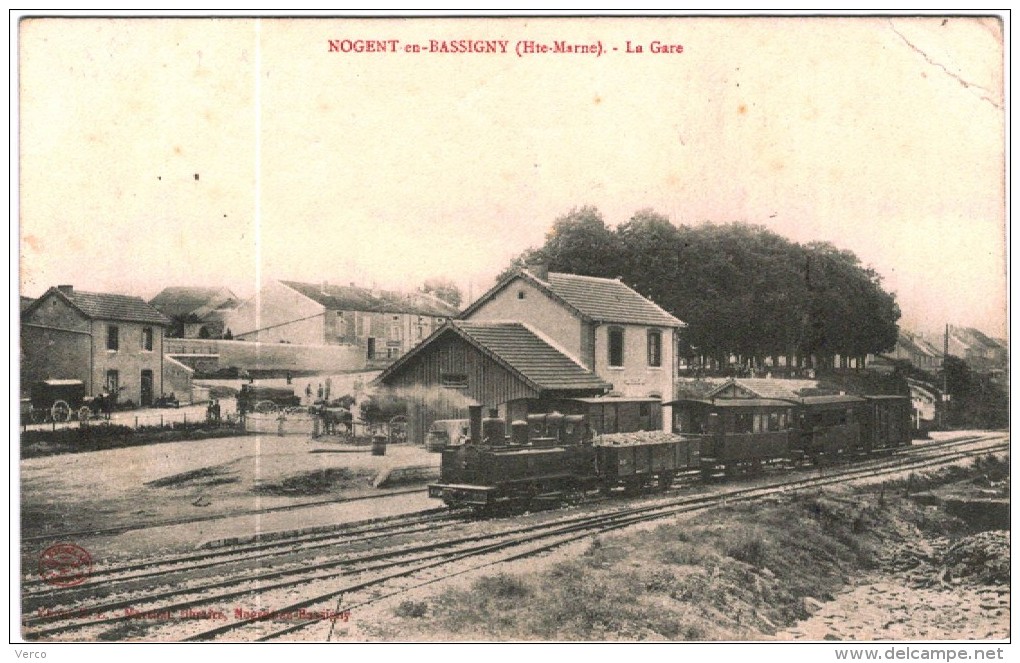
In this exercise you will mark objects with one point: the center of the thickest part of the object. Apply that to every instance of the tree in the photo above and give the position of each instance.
(975, 401)
(581, 243)
(742, 289)
(444, 289)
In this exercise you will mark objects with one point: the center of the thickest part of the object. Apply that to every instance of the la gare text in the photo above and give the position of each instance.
(520, 47)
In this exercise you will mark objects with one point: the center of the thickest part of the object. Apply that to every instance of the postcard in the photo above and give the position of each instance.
(513, 329)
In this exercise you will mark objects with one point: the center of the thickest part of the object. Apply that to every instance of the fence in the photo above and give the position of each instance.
(279, 423)
(136, 420)
(310, 425)
(271, 423)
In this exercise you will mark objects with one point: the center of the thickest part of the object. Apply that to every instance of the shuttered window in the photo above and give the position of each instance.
(616, 346)
(654, 347)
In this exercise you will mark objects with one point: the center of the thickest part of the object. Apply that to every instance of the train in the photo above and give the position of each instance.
(558, 456)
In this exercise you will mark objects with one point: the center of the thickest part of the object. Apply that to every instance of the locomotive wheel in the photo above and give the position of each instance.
(84, 413)
(266, 407)
(60, 411)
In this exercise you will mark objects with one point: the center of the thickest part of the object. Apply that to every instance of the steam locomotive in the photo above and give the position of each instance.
(552, 455)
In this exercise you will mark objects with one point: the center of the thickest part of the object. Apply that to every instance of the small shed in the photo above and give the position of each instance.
(507, 367)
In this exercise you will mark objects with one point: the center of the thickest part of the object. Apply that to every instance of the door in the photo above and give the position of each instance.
(146, 396)
(371, 348)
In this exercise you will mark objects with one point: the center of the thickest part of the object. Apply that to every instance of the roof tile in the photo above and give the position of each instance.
(107, 306)
(609, 300)
(530, 355)
(354, 298)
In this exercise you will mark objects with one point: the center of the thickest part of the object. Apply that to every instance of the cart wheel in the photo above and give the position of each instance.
(39, 416)
(266, 407)
(60, 411)
(84, 413)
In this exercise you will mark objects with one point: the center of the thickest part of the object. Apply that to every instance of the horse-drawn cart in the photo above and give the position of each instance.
(60, 400)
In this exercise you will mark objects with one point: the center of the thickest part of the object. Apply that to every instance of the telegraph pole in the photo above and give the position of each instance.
(945, 375)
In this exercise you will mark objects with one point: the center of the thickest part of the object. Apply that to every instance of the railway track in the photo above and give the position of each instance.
(588, 526)
(110, 531)
(119, 578)
(132, 601)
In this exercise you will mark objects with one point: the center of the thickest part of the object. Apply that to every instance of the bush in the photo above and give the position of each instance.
(502, 586)
(412, 609)
(685, 554)
(97, 437)
(383, 406)
(749, 546)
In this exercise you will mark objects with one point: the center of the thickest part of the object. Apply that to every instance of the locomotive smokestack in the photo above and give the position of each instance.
(475, 423)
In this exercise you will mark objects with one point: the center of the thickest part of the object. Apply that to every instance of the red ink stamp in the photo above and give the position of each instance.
(65, 565)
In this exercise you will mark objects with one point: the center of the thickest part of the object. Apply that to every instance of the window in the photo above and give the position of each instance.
(113, 381)
(520, 294)
(654, 347)
(454, 380)
(395, 334)
(147, 338)
(112, 337)
(616, 347)
(743, 423)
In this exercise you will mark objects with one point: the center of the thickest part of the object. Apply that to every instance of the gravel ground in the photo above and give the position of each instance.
(885, 607)
(195, 479)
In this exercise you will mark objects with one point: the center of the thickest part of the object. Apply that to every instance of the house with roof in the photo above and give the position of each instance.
(609, 328)
(920, 353)
(383, 324)
(195, 312)
(539, 342)
(767, 388)
(981, 352)
(108, 341)
(512, 370)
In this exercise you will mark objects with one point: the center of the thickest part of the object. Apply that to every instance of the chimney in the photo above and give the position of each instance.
(322, 288)
(539, 269)
(475, 423)
(66, 289)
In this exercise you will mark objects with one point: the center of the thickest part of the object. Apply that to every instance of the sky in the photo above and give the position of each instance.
(232, 151)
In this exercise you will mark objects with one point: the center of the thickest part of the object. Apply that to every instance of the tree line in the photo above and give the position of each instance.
(742, 289)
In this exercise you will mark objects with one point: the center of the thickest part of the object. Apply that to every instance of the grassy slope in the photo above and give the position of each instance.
(737, 573)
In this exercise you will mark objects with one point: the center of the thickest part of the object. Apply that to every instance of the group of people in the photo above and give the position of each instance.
(103, 403)
(212, 411)
(322, 394)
